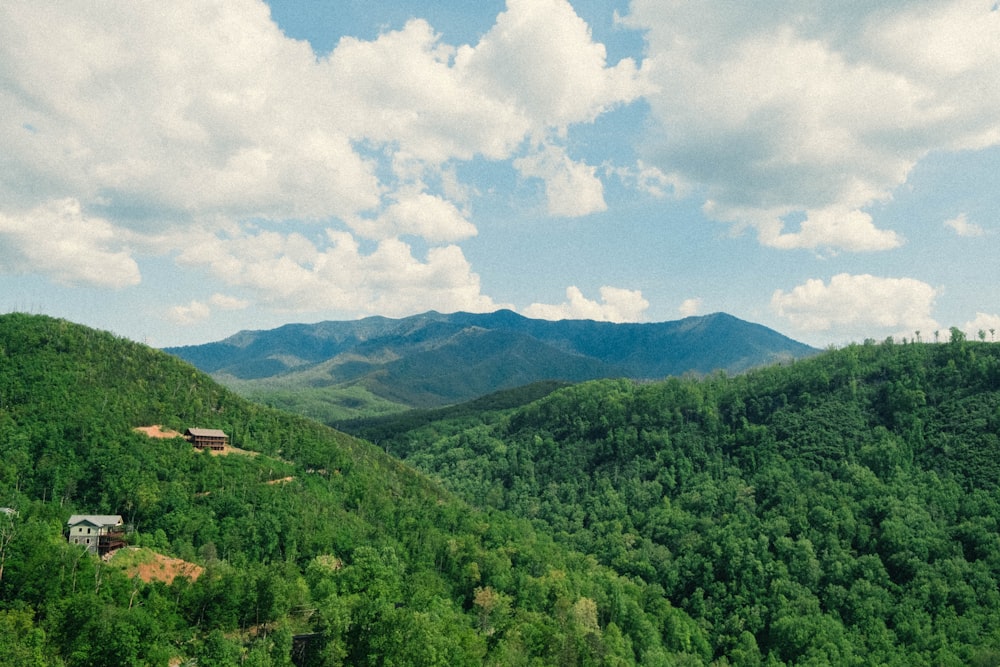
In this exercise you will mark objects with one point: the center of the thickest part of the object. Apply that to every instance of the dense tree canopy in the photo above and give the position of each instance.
(839, 510)
(311, 532)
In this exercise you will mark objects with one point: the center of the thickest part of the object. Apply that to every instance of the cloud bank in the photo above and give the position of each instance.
(815, 111)
(201, 129)
(58, 239)
(200, 134)
(988, 324)
(859, 303)
(616, 305)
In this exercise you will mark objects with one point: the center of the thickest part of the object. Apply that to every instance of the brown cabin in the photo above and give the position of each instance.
(207, 438)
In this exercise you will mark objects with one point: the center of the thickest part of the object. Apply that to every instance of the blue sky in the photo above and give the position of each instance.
(175, 172)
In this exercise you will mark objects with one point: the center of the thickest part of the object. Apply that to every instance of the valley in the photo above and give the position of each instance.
(838, 509)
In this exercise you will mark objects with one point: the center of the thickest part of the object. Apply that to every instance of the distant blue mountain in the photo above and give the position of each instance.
(436, 359)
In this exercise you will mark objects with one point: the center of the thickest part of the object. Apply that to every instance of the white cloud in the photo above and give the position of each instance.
(171, 111)
(198, 311)
(57, 239)
(987, 323)
(189, 120)
(293, 273)
(227, 302)
(616, 305)
(194, 312)
(815, 111)
(541, 55)
(404, 89)
(418, 214)
(690, 307)
(651, 180)
(535, 72)
(963, 227)
(858, 304)
(830, 228)
(571, 188)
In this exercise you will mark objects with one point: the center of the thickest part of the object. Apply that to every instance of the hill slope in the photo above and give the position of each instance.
(317, 534)
(839, 510)
(433, 359)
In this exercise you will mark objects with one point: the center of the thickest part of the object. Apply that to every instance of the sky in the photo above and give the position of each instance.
(177, 172)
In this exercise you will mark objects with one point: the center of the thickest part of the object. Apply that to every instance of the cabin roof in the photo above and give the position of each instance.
(206, 432)
(99, 520)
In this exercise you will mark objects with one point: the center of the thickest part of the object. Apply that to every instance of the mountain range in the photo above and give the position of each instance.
(434, 359)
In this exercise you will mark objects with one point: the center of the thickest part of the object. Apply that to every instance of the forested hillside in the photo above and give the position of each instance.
(838, 510)
(311, 532)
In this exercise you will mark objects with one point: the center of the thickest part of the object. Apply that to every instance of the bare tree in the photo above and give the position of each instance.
(7, 532)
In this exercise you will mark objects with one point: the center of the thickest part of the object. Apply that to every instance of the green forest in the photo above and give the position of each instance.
(838, 510)
(377, 564)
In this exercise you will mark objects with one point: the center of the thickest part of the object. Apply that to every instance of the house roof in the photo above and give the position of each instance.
(99, 520)
(206, 432)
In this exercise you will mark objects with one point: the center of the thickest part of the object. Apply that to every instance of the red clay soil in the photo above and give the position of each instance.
(165, 569)
(156, 431)
(283, 480)
(229, 449)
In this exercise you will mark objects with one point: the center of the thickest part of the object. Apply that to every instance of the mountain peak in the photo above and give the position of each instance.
(422, 361)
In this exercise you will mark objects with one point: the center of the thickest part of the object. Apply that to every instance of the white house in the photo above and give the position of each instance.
(100, 533)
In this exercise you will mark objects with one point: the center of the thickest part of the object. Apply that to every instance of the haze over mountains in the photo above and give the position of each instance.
(435, 359)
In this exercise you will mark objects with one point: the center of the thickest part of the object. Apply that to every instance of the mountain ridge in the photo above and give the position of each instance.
(435, 359)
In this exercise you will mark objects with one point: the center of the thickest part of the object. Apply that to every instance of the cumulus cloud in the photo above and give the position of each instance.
(541, 55)
(690, 307)
(988, 323)
(188, 120)
(961, 225)
(198, 311)
(418, 214)
(188, 314)
(172, 111)
(814, 112)
(291, 272)
(59, 240)
(616, 305)
(651, 180)
(404, 88)
(536, 72)
(227, 302)
(858, 303)
(827, 228)
(571, 188)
